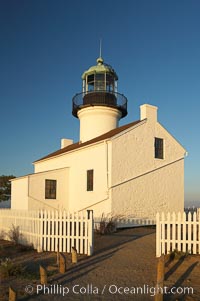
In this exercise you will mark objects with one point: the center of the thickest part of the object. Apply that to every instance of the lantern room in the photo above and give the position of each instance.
(100, 78)
(100, 89)
(99, 106)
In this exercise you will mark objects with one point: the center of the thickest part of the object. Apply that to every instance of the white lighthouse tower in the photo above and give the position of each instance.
(99, 106)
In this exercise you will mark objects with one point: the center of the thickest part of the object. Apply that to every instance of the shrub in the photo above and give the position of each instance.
(178, 254)
(8, 268)
(26, 248)
(2, 234)
(14, 234)
(107, 225)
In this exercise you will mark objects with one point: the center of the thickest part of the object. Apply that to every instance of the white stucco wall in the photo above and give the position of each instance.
(96, 157)
(29, 192)
(36, 190)
(161, 190)
(19, 193)
(141, 184)
(97, 120)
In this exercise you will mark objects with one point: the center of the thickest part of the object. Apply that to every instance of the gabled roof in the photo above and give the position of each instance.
(78, 145)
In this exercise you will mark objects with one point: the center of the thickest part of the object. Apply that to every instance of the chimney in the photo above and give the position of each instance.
(66, 142)
(149, 112)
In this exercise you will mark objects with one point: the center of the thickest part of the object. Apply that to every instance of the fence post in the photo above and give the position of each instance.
(62, 263)
(158, 233)
(90, 234)
(160, 278)
(43, 275)
(40, 231)
(12, 294)
(74, 255)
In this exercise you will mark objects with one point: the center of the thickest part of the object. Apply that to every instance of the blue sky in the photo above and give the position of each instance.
(45, 46)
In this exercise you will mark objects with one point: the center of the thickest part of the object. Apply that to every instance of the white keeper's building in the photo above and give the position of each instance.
(133, 170)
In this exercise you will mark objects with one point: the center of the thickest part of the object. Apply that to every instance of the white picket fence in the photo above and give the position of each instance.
(177, 232)
(124, 222)
(51, 230)
(134, 222)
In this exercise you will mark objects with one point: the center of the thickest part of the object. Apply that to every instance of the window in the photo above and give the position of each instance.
(90, 179)
(50, 189)
(96, 82)
(99, 82)
(158, 146)
(109, 83)
(90, 82)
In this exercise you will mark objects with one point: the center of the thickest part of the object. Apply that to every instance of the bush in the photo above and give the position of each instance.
(2, 234)
(26, 248)
(14, 234)
(177, 254)
(8, 268)
(107, 226)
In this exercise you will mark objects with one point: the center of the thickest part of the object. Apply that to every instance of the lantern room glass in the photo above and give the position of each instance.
(99, 82)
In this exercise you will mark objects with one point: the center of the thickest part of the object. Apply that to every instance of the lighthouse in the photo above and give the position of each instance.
(133, 170)
(99, 106)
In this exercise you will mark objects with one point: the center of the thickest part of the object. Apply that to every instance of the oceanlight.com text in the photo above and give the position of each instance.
(111, 289)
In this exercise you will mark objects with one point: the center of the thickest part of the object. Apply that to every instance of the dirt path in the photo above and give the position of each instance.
(122, 262)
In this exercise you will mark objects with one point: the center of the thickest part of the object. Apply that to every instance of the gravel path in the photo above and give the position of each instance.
(123, 260)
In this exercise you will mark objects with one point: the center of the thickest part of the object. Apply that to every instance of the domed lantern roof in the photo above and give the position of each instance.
(101, 67)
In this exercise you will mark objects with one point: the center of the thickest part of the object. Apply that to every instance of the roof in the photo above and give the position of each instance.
(101, 67)
(79, 145)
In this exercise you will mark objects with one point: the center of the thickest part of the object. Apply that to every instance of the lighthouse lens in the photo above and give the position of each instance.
(100, 82)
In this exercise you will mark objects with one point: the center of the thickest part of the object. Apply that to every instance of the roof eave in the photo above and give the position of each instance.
(70, 151)
(102, 138)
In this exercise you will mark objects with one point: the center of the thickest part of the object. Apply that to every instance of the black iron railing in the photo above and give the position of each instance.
(99, 98)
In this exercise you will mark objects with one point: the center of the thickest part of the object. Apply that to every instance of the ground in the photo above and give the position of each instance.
(121, 262)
